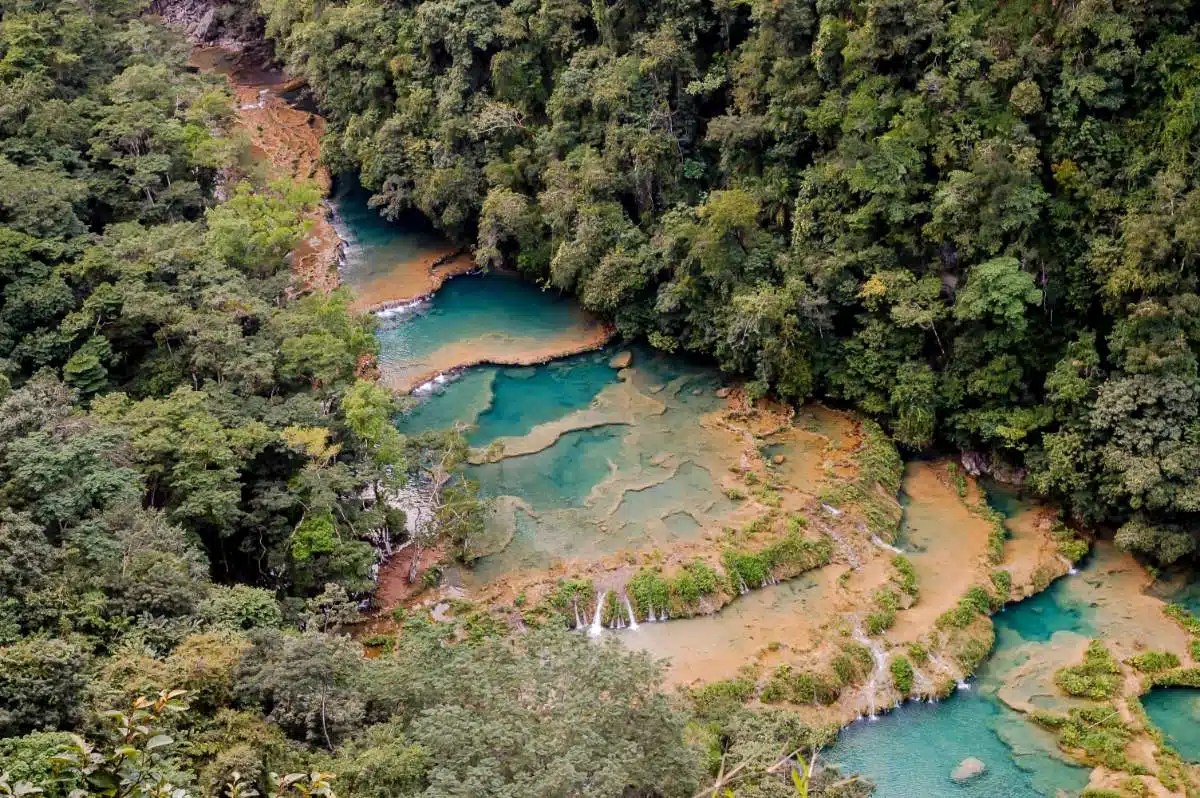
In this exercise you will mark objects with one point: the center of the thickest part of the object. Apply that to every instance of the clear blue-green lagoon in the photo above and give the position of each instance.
(1176, 711)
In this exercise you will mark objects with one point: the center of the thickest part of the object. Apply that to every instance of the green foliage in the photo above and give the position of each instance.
(1002, 581)
(720, 697)
(41, 685)
(902, 673)
(1098, 733)
(977, 601)
(789, 556)
(906, 575)
(884, 616)
(799, 687)
(1154, 661)
(1183, 677)
(1097, 677)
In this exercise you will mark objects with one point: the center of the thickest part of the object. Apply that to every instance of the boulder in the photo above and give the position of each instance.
(968, 769)
(723, 393)
(621, 360)
(778, 459)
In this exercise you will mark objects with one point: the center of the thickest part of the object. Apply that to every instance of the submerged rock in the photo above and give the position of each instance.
(778, 459)
(968, 769)
(621, 360)
(723, 393)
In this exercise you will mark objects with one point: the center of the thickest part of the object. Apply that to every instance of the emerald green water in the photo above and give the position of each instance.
(913, 750)
(603, 460)
(488, 315)
(1176, 711)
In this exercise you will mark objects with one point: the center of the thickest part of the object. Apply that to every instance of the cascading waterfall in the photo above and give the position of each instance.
(633, 624)
(597, 627)
(742, 585)
(880, 658)
(883, 544)
(1071, 569)
(650, 615)
(578, 620)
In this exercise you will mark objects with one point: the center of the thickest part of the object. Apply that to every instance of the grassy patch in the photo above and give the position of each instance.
(799, 687)
(902, 673)
(718, 698)
(957, 477)
(884, 616)
(879, 466)
(1154, 661)
(906, 575)
(1097, 677)
(1182, 677)
(977, 601)
(791, 555)
(680, 593)
(1002, 581)
(1097, 732)
(1069, 544)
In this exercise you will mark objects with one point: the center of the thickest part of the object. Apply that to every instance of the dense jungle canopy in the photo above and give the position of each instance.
(976, 221)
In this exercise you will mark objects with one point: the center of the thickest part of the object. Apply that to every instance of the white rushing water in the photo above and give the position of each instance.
(633, 624)
(597, 627)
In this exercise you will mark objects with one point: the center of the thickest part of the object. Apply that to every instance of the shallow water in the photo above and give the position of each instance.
(613, 460)
(1176, 711)
(716, 646)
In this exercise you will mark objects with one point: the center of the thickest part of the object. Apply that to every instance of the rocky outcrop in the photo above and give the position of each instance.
(982, 464)
(968, 769)
(233, 25)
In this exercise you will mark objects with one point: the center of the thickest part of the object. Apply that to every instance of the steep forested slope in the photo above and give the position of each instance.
(976, 221)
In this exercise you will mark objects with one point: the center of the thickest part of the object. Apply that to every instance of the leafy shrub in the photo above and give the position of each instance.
(902, 674)
(799, 687)
(1154, 661)
(718, 698)
(1096, 731)
(906, 574)
(1002, 580)
(1097, 677)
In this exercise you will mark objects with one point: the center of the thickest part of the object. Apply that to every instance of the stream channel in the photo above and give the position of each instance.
(603, 459)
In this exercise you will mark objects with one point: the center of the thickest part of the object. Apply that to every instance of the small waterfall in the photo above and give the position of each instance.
(742, 589)
(831, 510)
(633, 624)
(962, 686)
(878, 541)
(880, 658)
(650, 615)
(578, 620)
(597, 627)
(1071, 569)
